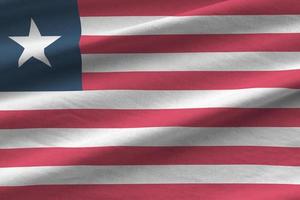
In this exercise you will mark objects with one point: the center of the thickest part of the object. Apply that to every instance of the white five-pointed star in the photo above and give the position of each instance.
(34, 45)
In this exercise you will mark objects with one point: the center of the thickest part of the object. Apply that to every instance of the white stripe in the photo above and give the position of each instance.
(233, 61)
(244, 98)
(175, 136)
(159, 25)
(172, 174)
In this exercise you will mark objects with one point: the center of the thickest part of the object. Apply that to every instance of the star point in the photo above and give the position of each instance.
(34, 45)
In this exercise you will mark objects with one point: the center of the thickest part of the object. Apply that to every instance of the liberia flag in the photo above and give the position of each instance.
(149, 100)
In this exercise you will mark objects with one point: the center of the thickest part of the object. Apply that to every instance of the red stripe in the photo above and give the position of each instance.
(149, 156)
(190, 43)
(204, 117)
(204, 80)
(154, 192)
(189, 7)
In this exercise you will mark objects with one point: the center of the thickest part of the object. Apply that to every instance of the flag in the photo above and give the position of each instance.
(151, 100)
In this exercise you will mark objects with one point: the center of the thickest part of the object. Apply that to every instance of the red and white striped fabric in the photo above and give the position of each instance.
(183, 100)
